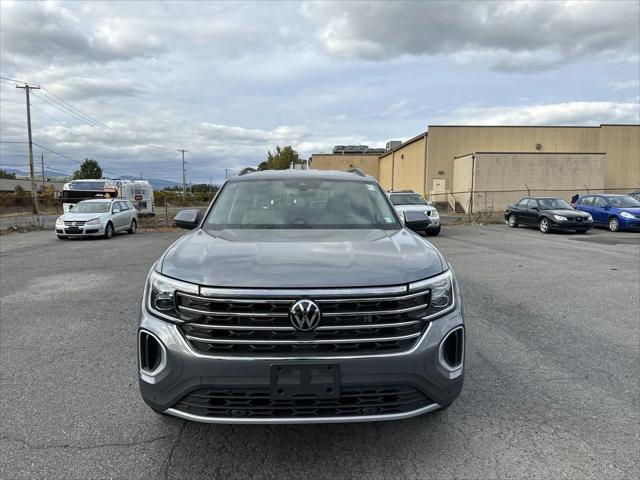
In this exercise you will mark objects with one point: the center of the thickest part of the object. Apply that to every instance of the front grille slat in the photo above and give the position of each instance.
(366, 321)
(239, 402)
(231, 341)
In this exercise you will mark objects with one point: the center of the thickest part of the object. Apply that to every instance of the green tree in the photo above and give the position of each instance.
(88, 169)
(5, 174)
(280, 159)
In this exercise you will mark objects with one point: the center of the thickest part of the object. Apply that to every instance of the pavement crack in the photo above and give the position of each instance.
(169, 459)
(36, 447)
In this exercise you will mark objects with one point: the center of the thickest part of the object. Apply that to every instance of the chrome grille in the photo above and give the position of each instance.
(259, 325)
(78, 223)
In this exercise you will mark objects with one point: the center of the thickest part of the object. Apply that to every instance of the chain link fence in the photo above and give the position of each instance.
(472, 205)
(16, 209)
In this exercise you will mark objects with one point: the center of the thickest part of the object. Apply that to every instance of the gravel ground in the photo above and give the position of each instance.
(551, 384)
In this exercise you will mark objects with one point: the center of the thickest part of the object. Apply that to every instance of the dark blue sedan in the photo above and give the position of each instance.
(617, 212)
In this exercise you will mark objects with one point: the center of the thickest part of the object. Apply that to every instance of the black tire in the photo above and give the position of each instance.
(108, 231)
(432, 232)
(62, 237)
(512, 221)
(614, 224)
(444, 408)
(544, 225)
(581, 231)
(133, 227)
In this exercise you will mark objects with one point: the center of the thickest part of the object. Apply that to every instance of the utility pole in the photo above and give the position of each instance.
(42, 160)
(184, 181)
(226, 173)
(34, 196)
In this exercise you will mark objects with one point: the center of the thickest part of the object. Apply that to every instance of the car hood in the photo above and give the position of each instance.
(80, 216)
(568, 213)
(414, 208)
(275, 258)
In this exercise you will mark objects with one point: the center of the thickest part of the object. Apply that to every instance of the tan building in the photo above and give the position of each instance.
(368, 162)
(425, 163)
(487, 181)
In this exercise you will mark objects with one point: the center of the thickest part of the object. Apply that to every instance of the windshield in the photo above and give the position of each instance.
(91, 207)
(301, 203)
(623, 201)
(407, 199)
(554, 204)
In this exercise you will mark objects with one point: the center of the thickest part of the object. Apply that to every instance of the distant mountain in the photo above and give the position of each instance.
(157, 183)
(47, 173)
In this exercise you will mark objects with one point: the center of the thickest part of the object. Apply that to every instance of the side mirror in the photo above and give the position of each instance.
(416, 221)
(534, 208)
(187, 219)
(71, 207)
(607, 207)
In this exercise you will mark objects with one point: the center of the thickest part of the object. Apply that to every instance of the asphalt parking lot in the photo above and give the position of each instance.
(551, 387)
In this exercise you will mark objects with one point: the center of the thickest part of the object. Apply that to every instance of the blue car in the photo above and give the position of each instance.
(617, 212)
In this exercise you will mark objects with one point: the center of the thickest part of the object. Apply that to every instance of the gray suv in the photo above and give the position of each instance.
(300, 297)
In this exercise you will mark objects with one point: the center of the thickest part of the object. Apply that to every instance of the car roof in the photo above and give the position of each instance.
(300, 174)
(102, 200)
(545, 198)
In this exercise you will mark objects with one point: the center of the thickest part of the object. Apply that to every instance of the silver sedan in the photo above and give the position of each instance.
(98, 218)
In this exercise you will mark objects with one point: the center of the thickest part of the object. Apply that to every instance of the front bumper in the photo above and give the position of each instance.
(185, 370)
(82, 231)
(629, 223)
(435, 223)
(570, 226)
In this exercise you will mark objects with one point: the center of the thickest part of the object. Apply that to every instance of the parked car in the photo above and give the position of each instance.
(547, 213)
(617, 212)
(300, 297)
(410, 201)
(95, 218)
(635, 195)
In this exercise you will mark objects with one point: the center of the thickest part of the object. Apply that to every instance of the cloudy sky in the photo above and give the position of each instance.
(128, 83)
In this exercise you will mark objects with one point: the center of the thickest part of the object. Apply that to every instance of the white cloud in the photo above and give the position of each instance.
(624, 85)
(567, 113)
(510, 36)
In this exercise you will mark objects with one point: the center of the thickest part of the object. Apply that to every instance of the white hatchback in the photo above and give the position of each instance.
(97, 218)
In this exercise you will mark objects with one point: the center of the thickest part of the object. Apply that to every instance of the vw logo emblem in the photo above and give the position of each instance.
(304, 315)
(74, 224)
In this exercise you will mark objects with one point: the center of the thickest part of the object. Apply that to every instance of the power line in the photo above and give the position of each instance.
(50, 116)
(14, 80)
(95, 121)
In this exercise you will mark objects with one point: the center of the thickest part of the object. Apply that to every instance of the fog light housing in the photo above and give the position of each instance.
(152, 356)
(451, 352)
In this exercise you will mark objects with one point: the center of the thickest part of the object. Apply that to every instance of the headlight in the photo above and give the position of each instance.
(560, 218)
(94, 221)
(59, 222)
(161, 298)
(627, 215)
(589, 217)
(441, 294)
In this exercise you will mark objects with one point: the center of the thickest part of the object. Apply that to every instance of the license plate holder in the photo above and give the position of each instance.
(305, 381)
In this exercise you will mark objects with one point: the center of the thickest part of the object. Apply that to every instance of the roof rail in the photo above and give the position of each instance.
(357, 171)
(246, 170)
